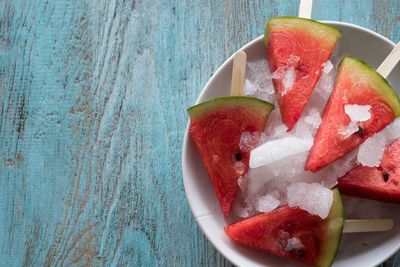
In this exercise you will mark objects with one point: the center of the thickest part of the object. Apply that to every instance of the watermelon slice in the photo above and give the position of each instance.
(296, 50)
(293, 233)
(216, 128)
(379, 183)
(356, 84)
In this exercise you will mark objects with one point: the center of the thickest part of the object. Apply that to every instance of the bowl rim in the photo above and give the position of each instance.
(200, 99)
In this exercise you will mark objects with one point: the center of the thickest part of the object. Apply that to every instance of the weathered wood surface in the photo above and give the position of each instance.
(92, 114)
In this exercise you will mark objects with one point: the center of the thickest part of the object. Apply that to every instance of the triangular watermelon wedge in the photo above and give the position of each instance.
(216, 128)
(379, 183)
(293, 233)
(297, 48)
(356, 84)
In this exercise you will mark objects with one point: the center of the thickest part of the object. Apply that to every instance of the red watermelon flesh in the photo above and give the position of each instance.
(356, 84)
(216, 128)
(273, 232)
(297, 46)
(379, 183)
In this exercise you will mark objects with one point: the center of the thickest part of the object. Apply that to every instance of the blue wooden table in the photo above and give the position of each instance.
(93, 98)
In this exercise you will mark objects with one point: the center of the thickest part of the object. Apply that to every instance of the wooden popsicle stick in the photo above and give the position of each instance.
(305, 9)
(238, 73)
(390, 61)
(367, 225)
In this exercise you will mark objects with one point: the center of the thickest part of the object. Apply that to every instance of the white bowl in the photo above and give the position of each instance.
(367, 249)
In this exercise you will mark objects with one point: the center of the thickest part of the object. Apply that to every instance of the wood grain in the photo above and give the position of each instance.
(238, 73)
(93, 99)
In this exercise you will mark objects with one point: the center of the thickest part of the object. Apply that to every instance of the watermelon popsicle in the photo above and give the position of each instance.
(298, 235)
(216, 128)
(296, 49)
(377, 176)
(362, 103)
(380, 183)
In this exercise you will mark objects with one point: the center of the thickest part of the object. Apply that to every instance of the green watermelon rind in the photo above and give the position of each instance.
(381, 85)
(331, 240)
(330, 30)
(208, 107)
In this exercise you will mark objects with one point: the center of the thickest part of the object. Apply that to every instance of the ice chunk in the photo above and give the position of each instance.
(302, 130)
(288, 78)
(279, 130)
(275, 125)
(248, 140)
(349, 129)
(278, 149)
(313, 198)
(314, 119)
(242, 211)
(321, 92)
(257, 180)
(323, 89)
(289, 167)
(258, 81)
(293, 243)
(358, 113)
(259, 184)
(307, 125)
(392, 131)
(328, 66)
(344, 164)
(258, 72)
(371, 151)
(243, 207)
(267, 203)
(249, 88)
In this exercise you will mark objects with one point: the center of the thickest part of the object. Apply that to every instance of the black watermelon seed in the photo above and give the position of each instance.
(238, 156)
(386, 177)
(360, 132)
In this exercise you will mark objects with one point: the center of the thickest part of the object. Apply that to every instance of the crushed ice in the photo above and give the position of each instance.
(267, 203)
(287, 73)
(371, 151)
(288, 78)
(314, 198)
(248, 140)
(278, 149)
(358, 113)
(294, 243)
(258, 81)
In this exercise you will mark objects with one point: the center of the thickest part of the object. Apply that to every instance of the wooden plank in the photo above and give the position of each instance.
(93, 97)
